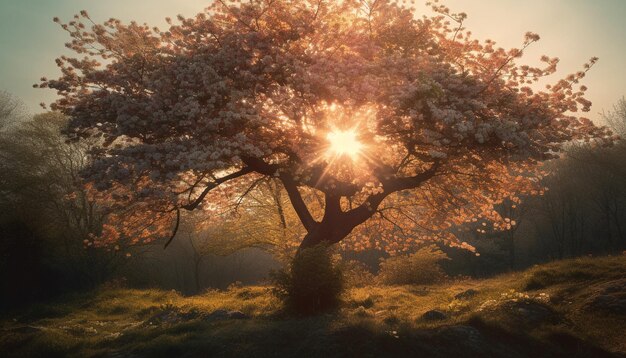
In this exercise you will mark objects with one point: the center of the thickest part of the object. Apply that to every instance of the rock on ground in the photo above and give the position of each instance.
(434, 315)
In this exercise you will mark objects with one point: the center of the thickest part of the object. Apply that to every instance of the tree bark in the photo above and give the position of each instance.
(336, 223)
(329, 232)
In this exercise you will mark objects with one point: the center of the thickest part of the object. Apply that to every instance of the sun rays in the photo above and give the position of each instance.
(344, 143)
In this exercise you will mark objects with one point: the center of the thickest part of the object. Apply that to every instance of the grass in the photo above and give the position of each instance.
(544, 311)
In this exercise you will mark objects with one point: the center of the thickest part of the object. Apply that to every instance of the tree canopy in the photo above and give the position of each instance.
(400, 125)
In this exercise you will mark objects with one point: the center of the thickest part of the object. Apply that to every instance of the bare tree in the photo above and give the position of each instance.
(11, 110)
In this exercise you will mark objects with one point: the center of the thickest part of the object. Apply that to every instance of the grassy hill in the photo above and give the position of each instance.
(572, 308)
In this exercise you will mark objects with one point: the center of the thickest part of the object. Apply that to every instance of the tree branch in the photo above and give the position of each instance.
(395, 184)
(245, 193)
(297, 202)
(332, 207)
(291, 186)
(169, 241)
(320, 180)
(370, 205)
(193, 205)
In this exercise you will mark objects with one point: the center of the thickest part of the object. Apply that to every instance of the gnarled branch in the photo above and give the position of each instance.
(193, 205)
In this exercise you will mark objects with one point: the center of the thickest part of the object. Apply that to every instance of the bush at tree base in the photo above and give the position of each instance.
(313, 282)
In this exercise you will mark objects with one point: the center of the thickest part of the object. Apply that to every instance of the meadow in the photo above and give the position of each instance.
(569, 308)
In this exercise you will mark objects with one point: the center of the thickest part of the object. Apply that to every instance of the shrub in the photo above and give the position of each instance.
(420, 268)
(313, 282)
(356, 274)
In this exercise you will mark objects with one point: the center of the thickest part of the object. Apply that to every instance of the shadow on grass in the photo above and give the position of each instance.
(324, 336)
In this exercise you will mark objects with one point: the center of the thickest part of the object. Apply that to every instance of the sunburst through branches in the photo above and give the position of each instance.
(344, 143)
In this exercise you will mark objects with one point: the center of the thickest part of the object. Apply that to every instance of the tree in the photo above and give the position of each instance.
(616, 118)
(12, 110)
(40, 189)
(402, 123)
(563, 210)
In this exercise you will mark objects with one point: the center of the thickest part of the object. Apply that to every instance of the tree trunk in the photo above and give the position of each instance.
(196, 274)
(327, 232)
(311, 239)
(335, 225)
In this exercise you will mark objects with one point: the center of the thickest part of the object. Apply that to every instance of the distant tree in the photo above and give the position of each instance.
(563, 207)
(409, 125)
(616, 118)
(44, 171)
(11, 110)
(515, 213)
(261, 219)
(40, 188)
(10, 113)
(602, 172)
(585, 204)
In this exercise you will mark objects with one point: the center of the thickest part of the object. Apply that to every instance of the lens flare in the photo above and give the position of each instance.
(344, 143)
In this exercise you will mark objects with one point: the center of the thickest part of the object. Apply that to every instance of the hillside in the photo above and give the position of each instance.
(573, 308)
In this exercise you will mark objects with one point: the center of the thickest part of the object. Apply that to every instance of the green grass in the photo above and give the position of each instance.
(372, 322)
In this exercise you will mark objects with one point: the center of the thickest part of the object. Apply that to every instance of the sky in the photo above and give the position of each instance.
(573, 30)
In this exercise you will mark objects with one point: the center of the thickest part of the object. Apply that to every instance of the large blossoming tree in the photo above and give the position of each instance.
(401, 125)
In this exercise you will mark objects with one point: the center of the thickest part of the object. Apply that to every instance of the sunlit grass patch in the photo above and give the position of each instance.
(575, 270)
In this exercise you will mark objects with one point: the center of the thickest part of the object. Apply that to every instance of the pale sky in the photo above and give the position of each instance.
(573, 30)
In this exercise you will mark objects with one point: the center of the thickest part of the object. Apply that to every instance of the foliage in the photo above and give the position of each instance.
(419, 268)
(12, 110)
(312, 284)
(581, 211)
(356, 274)
(616, 118)
(46, 216)
(264, 220)
(193, 116)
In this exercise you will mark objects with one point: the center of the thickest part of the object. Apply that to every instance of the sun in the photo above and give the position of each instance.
(344, 143)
